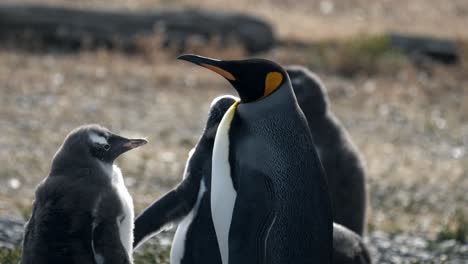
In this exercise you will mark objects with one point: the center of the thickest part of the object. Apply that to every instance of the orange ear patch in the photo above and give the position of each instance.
(272, 82)
(219, 71)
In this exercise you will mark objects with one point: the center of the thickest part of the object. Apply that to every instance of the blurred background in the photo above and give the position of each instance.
(396, 73)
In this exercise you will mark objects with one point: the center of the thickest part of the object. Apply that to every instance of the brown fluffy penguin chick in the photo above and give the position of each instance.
(341, 160)
(82, 212)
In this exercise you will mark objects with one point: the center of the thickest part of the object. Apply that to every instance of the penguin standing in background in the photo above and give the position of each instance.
(82, 212)
(195, 239)
(189, 202)
(269, 199)
(344, 166)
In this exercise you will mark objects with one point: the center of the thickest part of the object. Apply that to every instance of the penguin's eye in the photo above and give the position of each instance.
(101, 147)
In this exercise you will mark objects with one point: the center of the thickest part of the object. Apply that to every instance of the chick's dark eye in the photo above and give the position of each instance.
(107, 147)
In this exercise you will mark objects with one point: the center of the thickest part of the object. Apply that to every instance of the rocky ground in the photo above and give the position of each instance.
(385, 248)
(409, 119)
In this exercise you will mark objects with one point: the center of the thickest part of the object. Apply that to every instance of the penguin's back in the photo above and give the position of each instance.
(60, 228)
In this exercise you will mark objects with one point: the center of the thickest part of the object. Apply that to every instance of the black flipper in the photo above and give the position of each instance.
(177, 203)
(172, 206)
(248, 234)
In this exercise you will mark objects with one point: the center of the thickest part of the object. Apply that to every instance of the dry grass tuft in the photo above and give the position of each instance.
(10, 256)
(457, 228)
(463, 49)
(361, 54)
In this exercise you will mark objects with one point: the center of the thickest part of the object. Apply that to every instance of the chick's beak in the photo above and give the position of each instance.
(134, 143)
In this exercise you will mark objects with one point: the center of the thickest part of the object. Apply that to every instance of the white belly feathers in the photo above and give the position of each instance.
(126, 225)
(223, 194)
(178, 244)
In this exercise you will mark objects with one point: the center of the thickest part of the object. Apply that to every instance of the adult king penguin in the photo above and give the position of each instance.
(269, 199)
(344, 166)
(82, 211)
(189, 202)
(195, 239)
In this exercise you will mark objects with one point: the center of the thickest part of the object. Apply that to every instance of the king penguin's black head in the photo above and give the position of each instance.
(253, 78)
(94, 142)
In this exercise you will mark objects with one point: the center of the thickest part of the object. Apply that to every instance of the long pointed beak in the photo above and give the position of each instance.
(120, 145)
(209, 63)
(197, 59)
(134, 143)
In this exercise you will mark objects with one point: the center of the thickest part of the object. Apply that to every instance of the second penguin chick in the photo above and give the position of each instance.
(344, 166)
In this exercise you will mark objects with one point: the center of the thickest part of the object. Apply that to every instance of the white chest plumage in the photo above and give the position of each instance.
(126, 220)
(223, 194)
(178, 245)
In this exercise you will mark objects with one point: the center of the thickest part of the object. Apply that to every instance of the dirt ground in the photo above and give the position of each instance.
(411, 124)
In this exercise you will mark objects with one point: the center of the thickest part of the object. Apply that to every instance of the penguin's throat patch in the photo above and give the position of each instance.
(272, 82)
(219, 71)
(233, 107)
(223, 194)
